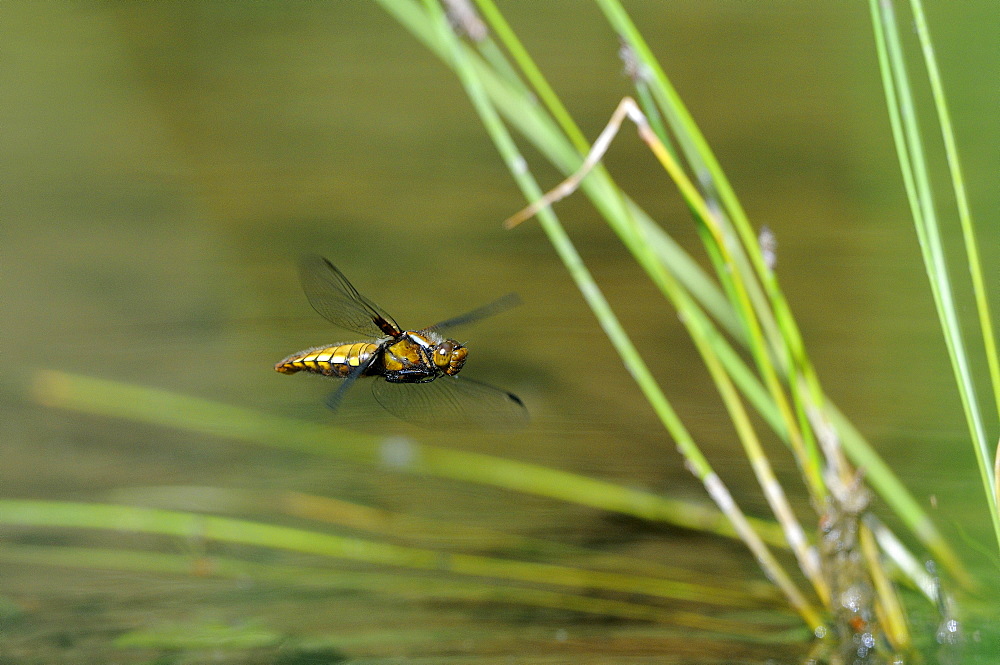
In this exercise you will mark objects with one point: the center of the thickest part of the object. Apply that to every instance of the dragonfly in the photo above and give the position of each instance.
(413, 374)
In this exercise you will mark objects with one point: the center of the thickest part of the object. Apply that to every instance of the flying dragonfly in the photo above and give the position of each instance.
(413, 373)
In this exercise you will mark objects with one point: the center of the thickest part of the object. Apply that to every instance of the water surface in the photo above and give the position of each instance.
(164, 165)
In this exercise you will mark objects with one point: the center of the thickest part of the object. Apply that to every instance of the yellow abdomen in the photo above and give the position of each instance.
(337, 360)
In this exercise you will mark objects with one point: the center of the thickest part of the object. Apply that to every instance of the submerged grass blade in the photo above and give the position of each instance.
(246, 532)
(418, 587)
(414, 530)
(160, 407)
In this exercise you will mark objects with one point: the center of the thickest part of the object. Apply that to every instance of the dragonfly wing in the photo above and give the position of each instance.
(336, 398)
(501, 304)
(452, 402)
(336, 300)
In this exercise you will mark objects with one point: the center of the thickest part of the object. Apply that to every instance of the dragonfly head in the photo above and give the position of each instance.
(449, 356)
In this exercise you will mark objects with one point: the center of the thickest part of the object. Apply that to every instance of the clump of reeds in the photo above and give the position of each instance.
(737, 312)
(741, 307)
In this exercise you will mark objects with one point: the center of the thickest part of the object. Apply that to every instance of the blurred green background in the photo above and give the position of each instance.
(163, 165)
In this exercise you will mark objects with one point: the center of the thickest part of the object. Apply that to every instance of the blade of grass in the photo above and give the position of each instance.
(417, 587)
(619, 338)
(524, 113)
(891, 614)
(961, 198)
(760, 464)
(962, 203)
(808, 561)
(900, 499)
(766, 318)
(701, 329)
(413, 530)
(879, 474)
(118, 517)
(731, 256)
(160, 407)
(913, 163)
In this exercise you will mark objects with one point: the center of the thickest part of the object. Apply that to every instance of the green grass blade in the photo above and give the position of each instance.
(247, 532)
(699, 465)
(799, 368)
(159, 407)
(903, 118)
(414, 530)
(962, 203)
(531, 121)
(419, 587)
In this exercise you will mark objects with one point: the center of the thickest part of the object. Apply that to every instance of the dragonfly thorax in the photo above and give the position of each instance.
(417, 357)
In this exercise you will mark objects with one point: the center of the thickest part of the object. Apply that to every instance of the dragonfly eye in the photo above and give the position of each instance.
(449, 356)
(442, 354)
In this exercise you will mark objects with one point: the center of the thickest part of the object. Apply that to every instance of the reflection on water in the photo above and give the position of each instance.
(166, 164)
